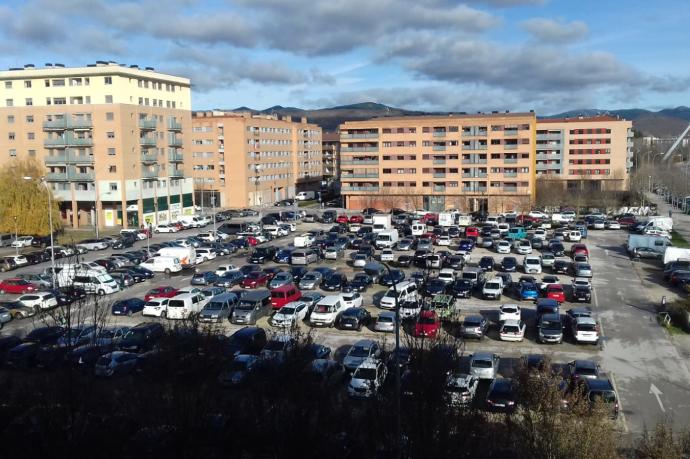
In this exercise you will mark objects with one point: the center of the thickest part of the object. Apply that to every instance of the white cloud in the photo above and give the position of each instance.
(551, 31)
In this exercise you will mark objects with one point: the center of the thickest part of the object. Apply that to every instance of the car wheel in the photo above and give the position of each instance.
(164, 315)
(129, 313)
(167, 271)
(101, 292)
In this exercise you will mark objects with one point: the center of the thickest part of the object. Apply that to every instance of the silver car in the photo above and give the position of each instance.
(310, 281)
(279, 280)
(5, 316)
(385, 322)
(362, 350)
(405, 244)
(303, 257)
(484, 365)
(582, 270)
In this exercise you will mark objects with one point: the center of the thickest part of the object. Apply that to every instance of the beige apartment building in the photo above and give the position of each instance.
(113, 139)
(482, 162)
(331, 155)
(591, 153)
(252, 160)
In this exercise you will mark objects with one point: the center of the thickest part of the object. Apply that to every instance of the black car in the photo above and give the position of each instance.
(107, 264)
(44, 335)
(485, 231)
(85, 356)
(557, 249)
(68, 295)
(353, 319)
(23, 355)
(204, 278)
(561, 267)
(262, 254)
(404, 261)
(328, 216)
(361, 282)
(418, 278)
(51, 356)
(509, 264)
(35, 258)
(142, 337)
(435, 286)
(247, 340)
(283, 256)
(536, 243)
(141, 271)
(462, 288)
(6, 344)
(298, 272)
(138, 277)
(581, 294)
(392, 277)
(122, 243)
(502, 396)
(334, 282)
(486, 263)
(229, 279)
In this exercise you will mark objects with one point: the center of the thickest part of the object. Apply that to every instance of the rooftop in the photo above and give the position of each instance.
(582, 119)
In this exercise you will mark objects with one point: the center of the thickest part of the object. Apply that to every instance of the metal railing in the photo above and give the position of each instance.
(68, 123)
(149, 157)
(146, 123)
(366, 135)
(346, 149)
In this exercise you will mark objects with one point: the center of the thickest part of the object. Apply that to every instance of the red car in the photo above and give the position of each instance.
(429, 218)
(428, 324)
(556, 292)
(432, 236)
(16, 285)
(357, 219)
(284, 294)
(578, 249)
(341, 219)
(252, 241)
(161, 292)
(627, 221)
(472, 231)
(255, 279)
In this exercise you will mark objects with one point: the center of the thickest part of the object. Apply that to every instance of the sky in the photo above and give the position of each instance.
(437, 55)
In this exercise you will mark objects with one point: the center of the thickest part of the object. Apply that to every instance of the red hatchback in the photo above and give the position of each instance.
(556, 292)
(161, 292)
(428, 324)
(341, 219)
(357, 219)
(579, 249)
(472, 231)
(255, 279)
(17, 285)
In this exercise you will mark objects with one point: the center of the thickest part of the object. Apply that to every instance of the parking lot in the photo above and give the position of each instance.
(650, 375)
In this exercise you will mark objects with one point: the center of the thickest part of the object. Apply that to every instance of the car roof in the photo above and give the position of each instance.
(602, 384)
(585, 363)
(482, 355)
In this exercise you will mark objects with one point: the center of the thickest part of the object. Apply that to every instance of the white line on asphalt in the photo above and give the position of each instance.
(620, 404)
(602, 338)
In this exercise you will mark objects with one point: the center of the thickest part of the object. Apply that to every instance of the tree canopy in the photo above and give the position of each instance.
(26, 200)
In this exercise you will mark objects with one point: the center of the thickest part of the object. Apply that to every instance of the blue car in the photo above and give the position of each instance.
(528, 291)
(127, 307)
(204, 278)
(466, 245)
(283, 256)
(229, 279)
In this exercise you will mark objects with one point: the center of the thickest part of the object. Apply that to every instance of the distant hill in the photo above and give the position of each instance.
(665, 123)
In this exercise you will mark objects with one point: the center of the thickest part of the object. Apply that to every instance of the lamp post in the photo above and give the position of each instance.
(42, 181)
(257, 179)
(213, 213)
(16, 235)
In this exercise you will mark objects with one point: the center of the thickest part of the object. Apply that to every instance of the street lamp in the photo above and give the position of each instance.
(42, 180)
(257, 170)
(16, 235)
(213, 213)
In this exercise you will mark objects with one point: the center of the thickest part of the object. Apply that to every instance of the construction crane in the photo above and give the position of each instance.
(680, 138)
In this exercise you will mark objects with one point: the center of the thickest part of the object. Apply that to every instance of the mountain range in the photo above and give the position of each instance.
(665, 123)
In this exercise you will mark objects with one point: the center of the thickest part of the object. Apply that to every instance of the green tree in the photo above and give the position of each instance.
(26, 200)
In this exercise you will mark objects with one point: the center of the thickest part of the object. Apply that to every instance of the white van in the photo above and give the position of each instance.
(185, 255)
(406, 290)
(492, 220)
(305, 240)
(305, 195)
(418, 229)
(386, 239)
(162, 264)
(100, 284)
(186, 305)
(326, 310)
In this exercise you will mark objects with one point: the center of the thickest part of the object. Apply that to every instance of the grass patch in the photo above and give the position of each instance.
(70, 236)
(309, 203)
(675, 330)
(679, 241)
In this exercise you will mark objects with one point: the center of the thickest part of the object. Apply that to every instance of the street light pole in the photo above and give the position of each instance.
(42, 181)
(213, 213)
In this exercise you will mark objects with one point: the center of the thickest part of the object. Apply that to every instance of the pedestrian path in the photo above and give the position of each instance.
(681, 221)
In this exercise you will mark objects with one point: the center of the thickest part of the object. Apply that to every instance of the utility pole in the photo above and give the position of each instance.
(16, 235)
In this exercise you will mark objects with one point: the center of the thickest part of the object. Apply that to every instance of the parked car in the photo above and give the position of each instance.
(367, 379)
(474, 326)
(502, 395)
(512, 330)
(17, 285)
(127, 306)
(484, 365)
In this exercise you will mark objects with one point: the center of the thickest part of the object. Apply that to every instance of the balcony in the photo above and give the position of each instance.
(510, 132)
(364, 162)
(174, 172)
(474, 161)
(439, 133)
(546, 156)
(360, 188)
(61, 124)
(362, 135)
(175, 157)
(509, 189)
(146, 124)
(510, 146)
(56, 159)
(439, 175)
(56, 176)
(150, 173)
(510, 160)
(439, 161)
(474, 175)
(147, 141)
(510, 174)
(149, 157)
(474, 147)
(549, 137)
(439, 148)
(81, 176)
(546, 166)
(174, 141)
(440, 188)
(174, 126)
(356, 149)
(68, 140)
(474, 189)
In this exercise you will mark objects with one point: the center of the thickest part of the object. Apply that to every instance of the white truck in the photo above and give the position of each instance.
(665, 223)
(656, 243)
(675, 254)
(185, 255)
(304, 240)
(160, 264)
(446, 218)
(382, 222)
(464, 220)
(386, 239)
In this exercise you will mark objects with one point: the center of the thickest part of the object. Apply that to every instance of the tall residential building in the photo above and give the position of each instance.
(482, 162)
(331, 155)
(252, 160)
(112, 138)
(585, 152)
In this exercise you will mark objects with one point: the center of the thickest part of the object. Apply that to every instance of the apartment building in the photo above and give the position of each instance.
(482, 162)
(590, 153)
(252, 160)
(112, 138)
(331, 155)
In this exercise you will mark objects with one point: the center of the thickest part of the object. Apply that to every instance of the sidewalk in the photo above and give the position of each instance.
(681, 221)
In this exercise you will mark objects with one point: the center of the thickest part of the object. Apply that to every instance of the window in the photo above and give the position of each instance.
(10, 136)
(108, 99)
(108, 80)
(111, 152)
(8, 85)
(29, 118)
(27, 83)
(110, 135)
(60, 101)
(32, 153)
(13, 152)
(29, 101)
(113, 186)
(47, 83)
(109, 116)
(10, 119)
(112, 169)
(30, 135)
(9, 102)
(60, 82)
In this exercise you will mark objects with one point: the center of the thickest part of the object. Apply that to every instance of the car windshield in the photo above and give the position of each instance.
(214, 305)
(511, 329)
(365, 373)
(255, 275)
(471, 323)
(309, 277)
(386, 319)
(245, 305)
(586, 327)
(287, 311)
(323, 308)
(481, 363)
(493, 286)
(359, 351)
(606, 396)
(550, 325)
(427, 320)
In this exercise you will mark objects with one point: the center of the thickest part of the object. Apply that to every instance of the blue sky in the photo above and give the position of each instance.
(547, 55)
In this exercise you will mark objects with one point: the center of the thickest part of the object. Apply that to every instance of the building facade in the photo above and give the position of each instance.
(591, 153)
(482, 162)
(331, 155)
(113, 139)
(253, 160)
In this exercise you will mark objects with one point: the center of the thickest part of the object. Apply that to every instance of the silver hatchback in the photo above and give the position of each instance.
(484, 365)
(385, 322)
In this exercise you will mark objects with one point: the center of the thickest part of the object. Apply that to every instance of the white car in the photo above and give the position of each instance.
(222, 269)
(155, 307)
(654, 231)
(93, 244)
(291, 226)
(540, 234)
(523, 247)
(64, 251)
(38, 300)
(367, 379)
(203, 255)
(585, 330)
(447, 275)
(188, 290)
(531, 264)
(20, 260)
(22, 241)
(581, 282)
(537, 214)
(545, 224)
(360, 260)
(354, 227)
(166, 228)
(509, 312)
(443, 240)
(612, 224)
(599, 224)
(465, 255)
(208, 237)
(290, 314)
(503, 247)
(387, 255)
(352, 299)
(512, 330)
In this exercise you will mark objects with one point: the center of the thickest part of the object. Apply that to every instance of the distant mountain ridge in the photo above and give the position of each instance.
(665, 123)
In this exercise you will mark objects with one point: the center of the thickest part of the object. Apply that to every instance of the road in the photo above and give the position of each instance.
(650, 374)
